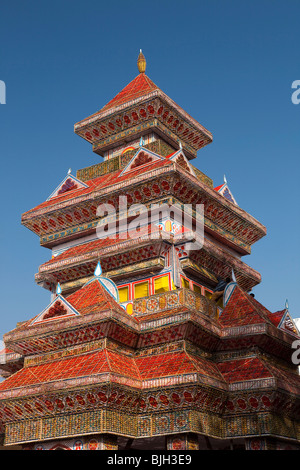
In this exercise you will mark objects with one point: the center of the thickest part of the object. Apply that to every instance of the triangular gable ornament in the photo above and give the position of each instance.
(141, 159)
(224, 190)
(58, 309)
(181, 160)
(69, 183)
(287, 323)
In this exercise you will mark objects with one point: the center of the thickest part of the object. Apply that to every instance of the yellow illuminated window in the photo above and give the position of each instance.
(185, 283)
(129, 309)
(141, 290)
(197, 288)
(123, 294)
(161, 284)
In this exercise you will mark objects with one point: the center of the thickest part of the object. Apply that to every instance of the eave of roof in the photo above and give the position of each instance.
(139, 89)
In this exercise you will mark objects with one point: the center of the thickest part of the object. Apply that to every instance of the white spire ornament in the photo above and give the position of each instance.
(98, 270)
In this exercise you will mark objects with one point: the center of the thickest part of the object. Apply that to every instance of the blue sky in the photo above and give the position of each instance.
(228, 64)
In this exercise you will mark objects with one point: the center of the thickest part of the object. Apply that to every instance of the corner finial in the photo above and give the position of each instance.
(225, 180)
(58, 289)
(69, 171)
(287, 304)
(141, 62)
(98, 270)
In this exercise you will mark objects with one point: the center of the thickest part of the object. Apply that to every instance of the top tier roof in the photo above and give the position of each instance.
(137, 88)
(142, 107)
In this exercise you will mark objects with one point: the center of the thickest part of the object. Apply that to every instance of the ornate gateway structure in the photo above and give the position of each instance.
(135, 350)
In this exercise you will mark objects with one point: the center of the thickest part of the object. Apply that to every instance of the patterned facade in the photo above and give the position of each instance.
(133, 351)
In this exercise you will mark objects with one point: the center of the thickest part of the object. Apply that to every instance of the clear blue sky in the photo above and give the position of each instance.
(229, 64)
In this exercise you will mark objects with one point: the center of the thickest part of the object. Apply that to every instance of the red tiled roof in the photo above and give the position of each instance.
(99, 183)
(242, 309)
(276, 317)
(149, 367)
(139, 86)
(98, 362)
(94, 245)
(243, 369)
(92, 297)
(6, 351)
(289, 379)
(253, 368)
(104, 361)
(175, 363)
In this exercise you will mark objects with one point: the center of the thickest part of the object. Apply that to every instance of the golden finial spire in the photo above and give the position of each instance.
(141, 62)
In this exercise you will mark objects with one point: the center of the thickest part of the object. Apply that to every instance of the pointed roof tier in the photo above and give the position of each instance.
(165, 369)
(140, 108)
(246, 319)
(147, 177)
(243, 309)
(173, 354)
(78, 262)
(141, 85)
(155, 355)
(96, 302)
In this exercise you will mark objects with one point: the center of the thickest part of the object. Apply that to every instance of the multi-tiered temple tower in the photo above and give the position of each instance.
(132, 352)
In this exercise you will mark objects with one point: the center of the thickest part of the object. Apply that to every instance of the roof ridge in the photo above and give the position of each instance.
(194, 357)
(267, 365)
(136, 88)
(241, 308)
(264, 313)
(107, 298)
(107, 358)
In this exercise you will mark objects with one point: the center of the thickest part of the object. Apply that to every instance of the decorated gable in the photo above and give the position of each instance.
(58, 309)
(287, 324)
(141, 159)
(182, 161)
(224, 190)
(70, 183)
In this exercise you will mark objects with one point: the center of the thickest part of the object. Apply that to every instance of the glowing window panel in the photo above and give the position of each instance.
(141, 289)
(123, 294)
(161, 284)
